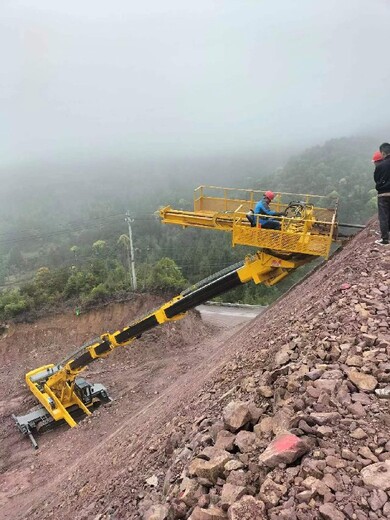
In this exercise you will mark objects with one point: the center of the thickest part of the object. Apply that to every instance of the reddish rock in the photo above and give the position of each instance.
(248, 508)
(285, 448)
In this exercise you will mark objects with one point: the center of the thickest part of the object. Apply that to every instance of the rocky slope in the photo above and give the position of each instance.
(297, 424)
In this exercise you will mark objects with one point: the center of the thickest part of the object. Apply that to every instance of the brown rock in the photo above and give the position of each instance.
(177, 510)
(238, 478)
(245, 441)
(332, 482)
(248, 508)
(377, 499)
(189, 491)
(325, 417)
(285, 448)
(156, 512)
(235, 415)
(348, 454)
(212, 513)
(265, 391)
(209, 469)
(357, 409)
(271, 492)
(354, 361)
(264, 427)
(365, 452)
(330, 512)
(225, 440)
(363, 381)
(231, 493)
(377, 475)
(233, 465)
(359, 434)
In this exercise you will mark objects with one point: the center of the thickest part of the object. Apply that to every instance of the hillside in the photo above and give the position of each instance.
(308, 366)
(339, 167)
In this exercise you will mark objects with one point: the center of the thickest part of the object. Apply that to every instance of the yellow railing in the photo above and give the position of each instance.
(226, 208)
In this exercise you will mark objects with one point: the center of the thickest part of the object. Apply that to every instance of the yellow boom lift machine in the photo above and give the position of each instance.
(307, 228)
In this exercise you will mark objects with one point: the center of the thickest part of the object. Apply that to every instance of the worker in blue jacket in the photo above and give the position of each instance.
(262, 208)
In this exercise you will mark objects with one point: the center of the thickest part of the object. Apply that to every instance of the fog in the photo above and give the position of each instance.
(130, 79)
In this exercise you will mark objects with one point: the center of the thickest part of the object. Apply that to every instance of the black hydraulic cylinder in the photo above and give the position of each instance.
(198, 296)
(354, 226)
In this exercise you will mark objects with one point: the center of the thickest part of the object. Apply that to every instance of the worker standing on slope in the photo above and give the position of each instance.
(262, 208)
(382, 185)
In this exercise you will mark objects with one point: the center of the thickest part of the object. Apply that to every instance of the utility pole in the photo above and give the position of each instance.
(132, 261)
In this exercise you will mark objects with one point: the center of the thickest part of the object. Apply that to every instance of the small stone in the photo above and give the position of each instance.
(248, 508)
(335, 462)
(359, 434)
(271, 492)
(209, 469)
(152, 481)
(233, 465)
(265, 391)
(212, 513)
(365, 452)
(348, 454)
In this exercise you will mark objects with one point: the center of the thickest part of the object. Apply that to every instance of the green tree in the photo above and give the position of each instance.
(165, 275)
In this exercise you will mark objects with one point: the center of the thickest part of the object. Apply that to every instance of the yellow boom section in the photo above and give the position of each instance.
(307, 228)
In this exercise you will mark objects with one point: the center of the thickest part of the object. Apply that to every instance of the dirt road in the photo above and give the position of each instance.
(144, 381)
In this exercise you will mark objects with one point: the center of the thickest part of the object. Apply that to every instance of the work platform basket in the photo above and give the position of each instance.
(307, 227)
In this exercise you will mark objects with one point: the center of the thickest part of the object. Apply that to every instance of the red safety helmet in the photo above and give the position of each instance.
(377, 156)
(271, 195)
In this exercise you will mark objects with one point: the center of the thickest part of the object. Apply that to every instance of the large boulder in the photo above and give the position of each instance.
(285, 448)
(377, 475)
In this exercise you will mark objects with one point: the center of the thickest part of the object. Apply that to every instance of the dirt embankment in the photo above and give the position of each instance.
(309, 366)
(134, 376)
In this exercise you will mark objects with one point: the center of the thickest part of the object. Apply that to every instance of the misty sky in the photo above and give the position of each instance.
(126, 78)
